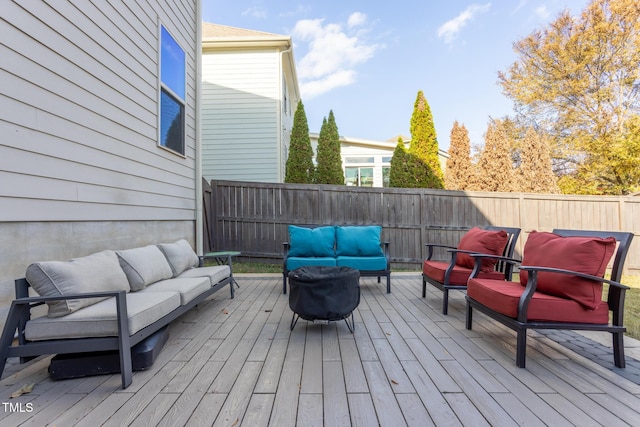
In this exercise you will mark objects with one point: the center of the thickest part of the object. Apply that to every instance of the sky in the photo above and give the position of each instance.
(367, 60)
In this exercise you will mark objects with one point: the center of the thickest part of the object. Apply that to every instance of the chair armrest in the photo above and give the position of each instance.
(479, 256)
(574, 273)
(616, 305)
(431, 246)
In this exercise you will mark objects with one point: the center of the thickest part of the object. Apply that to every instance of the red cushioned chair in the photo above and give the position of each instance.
(454, 273)
(560, 287)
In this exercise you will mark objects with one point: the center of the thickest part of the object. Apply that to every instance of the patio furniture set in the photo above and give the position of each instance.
(115, 300)
(108, 301)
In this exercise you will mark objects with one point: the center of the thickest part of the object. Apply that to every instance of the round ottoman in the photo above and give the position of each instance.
(324, 294)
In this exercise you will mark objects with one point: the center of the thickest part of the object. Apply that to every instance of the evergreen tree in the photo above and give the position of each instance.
(328, 159)
(299, 168)
(459, 168)
(495, 168)
(399, 171)
(424, 145)
(535, 174)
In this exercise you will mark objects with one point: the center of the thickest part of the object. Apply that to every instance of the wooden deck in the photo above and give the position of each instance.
(235, 362)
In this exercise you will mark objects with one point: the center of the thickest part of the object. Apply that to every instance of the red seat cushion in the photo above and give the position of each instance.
(588, 255)
(483, 241)
(503, 297)
(459, 275)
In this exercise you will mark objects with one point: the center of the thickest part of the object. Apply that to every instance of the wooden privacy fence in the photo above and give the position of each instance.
(253, 217)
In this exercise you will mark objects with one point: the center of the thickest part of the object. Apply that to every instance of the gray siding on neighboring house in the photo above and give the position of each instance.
(80, 168)
(240, 101)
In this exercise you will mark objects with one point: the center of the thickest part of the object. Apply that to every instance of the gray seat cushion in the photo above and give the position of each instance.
(215, 273)
(100, 320)
(188, 288)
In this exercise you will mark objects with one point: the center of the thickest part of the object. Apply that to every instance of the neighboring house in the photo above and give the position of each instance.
(249, 95)
(99, 123)
(366, 163)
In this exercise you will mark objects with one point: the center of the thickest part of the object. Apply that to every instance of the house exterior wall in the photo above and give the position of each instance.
(80, 167)
(241, 98)
(375, 156)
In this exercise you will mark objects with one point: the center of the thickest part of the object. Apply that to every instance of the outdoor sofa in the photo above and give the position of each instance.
(111, 300)
(355, 246)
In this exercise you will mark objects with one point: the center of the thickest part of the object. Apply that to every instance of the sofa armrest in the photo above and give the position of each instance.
(38, 300)
(385, 250)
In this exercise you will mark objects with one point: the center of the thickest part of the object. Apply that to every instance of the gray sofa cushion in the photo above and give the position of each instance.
(188, 288)
(215, 273)
(100, 320)
(179, 255)
(94, 273)
(144, 266)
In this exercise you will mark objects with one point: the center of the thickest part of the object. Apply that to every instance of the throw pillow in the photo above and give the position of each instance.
(179, 255)
(94, 273)
(359, 240)
(588, 255)
(491, 242)
(312, 242)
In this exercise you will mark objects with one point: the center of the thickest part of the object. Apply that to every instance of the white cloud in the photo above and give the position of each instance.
(333, 54)
(450, 29)
(255, 12)
(542, 12)
(356, 19)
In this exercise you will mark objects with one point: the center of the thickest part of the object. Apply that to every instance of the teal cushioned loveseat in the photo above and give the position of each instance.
(355, 246)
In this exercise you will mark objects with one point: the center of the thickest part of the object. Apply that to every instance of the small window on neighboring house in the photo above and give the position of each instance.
(172, 93)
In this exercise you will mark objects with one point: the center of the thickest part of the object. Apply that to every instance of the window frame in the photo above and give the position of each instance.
(165, 91)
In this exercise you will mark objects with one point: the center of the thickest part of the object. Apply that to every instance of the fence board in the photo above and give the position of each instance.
(253, 217)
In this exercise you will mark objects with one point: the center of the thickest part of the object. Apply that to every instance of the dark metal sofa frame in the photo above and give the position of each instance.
(20, 313)
(363, 273)
(615, 299)
(445, 286)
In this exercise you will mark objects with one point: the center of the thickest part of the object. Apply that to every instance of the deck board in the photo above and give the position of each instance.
(236, 362)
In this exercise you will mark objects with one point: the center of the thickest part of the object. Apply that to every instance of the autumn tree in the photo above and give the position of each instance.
(535, 174)
(424, 146)
(577, 80)
(459, 168)
(299, 167)
(495, 167)
(328, 159)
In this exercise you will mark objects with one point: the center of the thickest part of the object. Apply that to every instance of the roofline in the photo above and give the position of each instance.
(245, 42)
(362, 141)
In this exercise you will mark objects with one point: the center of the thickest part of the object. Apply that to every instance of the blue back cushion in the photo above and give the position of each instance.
(359, 240)
(312, 242)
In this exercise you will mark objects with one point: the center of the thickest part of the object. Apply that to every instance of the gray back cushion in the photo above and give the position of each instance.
(94, 273)
(179, 255)
(144, 266)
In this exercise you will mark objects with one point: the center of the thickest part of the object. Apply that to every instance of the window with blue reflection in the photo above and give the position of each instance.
(172, 93)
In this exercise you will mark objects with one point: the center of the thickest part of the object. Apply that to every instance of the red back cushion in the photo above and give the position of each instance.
(588, 255)
(483, 241)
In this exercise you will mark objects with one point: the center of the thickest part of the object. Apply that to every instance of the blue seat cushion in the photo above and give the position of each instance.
(359, 241)
(363, 263)
(297, 262)
(312, 242)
